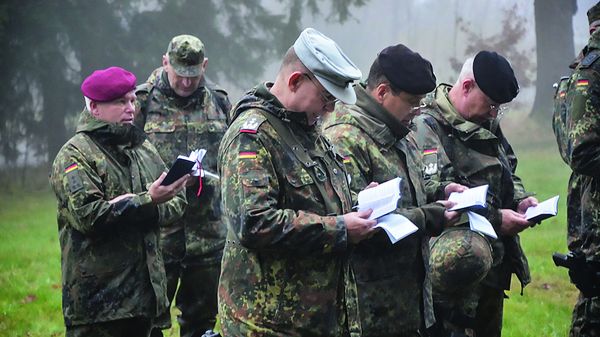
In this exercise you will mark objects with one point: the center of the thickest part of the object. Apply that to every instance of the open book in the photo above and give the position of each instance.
(184, 165)
(396, 226)
(543, 210)
(471, 199)
(382, 199)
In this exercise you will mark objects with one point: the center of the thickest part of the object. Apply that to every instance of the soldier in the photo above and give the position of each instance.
(461, 140)
(180, 112)
(394, 291)
(286, 203)
(109, 209)
(576, 125)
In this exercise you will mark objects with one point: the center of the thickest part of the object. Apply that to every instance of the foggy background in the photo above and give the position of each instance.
(50, 46)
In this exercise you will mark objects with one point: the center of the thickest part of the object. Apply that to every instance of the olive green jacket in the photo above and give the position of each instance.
(112, 267)
(284, 267)
(470, 154)
(393, 288)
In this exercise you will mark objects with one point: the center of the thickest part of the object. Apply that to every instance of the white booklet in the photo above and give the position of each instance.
(396, 226)
(473, 198)
(543, 210)
(382, 199)
(479, 223)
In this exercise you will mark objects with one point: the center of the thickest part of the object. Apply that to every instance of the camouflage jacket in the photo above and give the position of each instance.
(111, 265)
(176, 126)
(458, 150)
(391, 279)
(284, 265)
(584, 153)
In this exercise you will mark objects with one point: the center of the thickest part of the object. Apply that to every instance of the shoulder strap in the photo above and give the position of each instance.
(302, 154)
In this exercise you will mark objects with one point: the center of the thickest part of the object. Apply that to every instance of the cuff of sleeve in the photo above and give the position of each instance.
(434, 218)
(339, 235)
(146, 206)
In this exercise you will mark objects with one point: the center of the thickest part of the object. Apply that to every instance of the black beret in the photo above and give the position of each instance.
(495, 77)
(407, 70)
(593, 13)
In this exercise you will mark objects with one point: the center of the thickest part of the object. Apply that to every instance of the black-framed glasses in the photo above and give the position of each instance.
(326, 97)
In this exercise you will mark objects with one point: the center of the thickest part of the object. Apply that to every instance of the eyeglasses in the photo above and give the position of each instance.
(418, 107)
(326, 97)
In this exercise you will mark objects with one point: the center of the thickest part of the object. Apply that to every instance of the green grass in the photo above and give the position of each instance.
(30, 299)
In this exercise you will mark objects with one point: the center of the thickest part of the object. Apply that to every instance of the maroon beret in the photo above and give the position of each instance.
(108, 84)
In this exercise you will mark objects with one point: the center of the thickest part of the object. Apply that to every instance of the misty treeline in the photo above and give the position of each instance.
(49, 46)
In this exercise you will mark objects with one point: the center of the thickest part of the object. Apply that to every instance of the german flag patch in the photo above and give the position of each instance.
(71, 167)
(429, 151)
(247, 155)
(346, 160)
(582, 83)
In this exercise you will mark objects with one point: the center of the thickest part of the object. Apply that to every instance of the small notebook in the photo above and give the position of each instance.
(543, 210)
(471, 199)
(184, 165)
(382, 199)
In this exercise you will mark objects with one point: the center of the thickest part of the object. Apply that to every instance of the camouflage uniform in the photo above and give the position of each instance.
(284, 266)
(393, 290)
(192, 247)
(112, 268)
(579, 97)
(470, 154)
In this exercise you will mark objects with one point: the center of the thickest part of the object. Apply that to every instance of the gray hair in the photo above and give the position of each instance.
(466, 72)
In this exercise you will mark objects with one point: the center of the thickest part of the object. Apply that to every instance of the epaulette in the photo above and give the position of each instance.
(144, 88)
(589, 59)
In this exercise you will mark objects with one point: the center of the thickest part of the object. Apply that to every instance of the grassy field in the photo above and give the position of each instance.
(30, 292)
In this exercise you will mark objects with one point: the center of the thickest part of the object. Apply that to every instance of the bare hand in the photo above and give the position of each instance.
(160, 194)
(454, 187)
(121, 197)
(371, 185)
(513, 222)
(358, 225)
(526, 203)
(450, 217)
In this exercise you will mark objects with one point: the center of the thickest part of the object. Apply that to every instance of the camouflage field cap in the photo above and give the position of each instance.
(593, 13)
(460, 258)
(186, 54)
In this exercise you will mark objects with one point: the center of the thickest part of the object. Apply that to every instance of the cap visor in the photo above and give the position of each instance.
(344, 94)
(187, 71)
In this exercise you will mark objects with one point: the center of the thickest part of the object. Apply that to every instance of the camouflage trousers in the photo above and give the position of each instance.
(130, 327)
(193, 285)
(476, 314)
(586, 317)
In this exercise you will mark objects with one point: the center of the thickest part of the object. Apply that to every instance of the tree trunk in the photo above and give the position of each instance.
(555, 50)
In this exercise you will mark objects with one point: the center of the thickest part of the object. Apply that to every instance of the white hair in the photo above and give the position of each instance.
(87, 103)
(466, 72)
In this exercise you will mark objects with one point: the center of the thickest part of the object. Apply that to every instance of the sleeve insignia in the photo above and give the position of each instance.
(250, 126)
(73, 178)
(247, 155)
(430, 161)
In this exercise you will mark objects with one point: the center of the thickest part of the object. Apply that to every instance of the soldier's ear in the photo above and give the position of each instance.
(294, 81)
(468, 85)
(165, 61)
(94, 109)
(379, 92)
(204, 64)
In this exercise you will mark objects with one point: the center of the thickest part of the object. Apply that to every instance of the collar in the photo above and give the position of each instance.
(448, 114)
(121, 135)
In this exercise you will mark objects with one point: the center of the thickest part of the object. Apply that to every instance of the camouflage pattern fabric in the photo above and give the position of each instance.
(111, 267)
(458, 150)
(284, 269)
(391, 278)
(584, 192)
(177, 125)
(193, 246)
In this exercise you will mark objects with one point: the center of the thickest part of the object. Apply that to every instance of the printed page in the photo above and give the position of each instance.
(479, 223)
(382, 199)
(472, 198)
(543, 210)
(396, 226)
